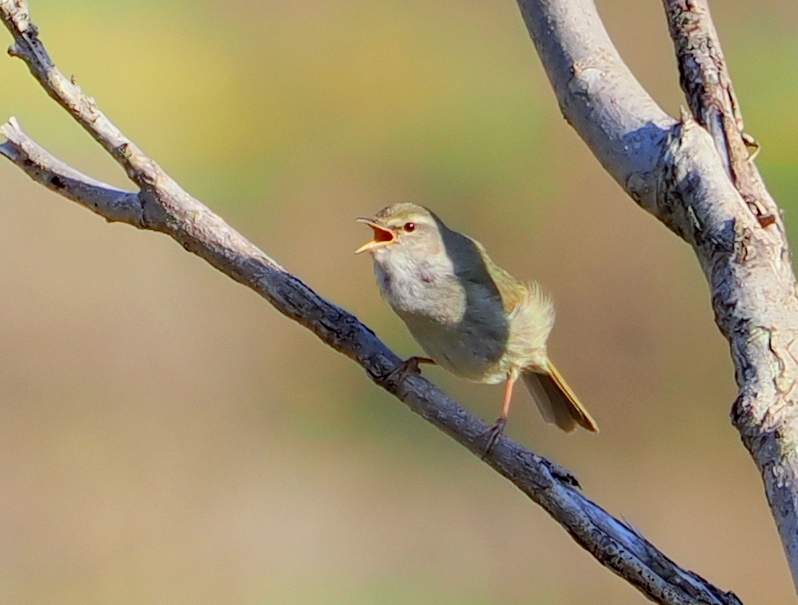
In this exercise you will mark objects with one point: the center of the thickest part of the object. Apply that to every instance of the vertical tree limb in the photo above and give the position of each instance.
(765, 413)
(696, 176)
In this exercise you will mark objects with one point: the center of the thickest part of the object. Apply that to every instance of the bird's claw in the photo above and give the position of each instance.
(407, 367)
(493, 432)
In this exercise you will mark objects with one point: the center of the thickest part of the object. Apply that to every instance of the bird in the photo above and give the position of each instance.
(470, 316)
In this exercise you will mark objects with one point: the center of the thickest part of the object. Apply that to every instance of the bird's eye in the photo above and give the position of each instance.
(409, 227)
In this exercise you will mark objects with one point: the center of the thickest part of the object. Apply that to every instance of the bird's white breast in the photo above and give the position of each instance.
(458, 326)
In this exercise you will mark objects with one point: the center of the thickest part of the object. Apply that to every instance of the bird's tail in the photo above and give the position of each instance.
(556, 401)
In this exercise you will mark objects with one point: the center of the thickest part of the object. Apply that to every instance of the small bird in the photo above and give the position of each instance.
(470, 316)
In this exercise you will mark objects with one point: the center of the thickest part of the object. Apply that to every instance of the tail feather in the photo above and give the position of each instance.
(555, 399)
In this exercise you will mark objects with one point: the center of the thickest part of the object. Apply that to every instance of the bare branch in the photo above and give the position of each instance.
(598, 95)
(140, 169)
(705, 79)
(680, 172)
(759, 315)
(161, 205)
(107, 201)
(612, 542)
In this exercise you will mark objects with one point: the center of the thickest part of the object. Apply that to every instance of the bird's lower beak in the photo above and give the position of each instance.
(382, 236)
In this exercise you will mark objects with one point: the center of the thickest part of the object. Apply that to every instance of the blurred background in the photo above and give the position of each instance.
(168, 437)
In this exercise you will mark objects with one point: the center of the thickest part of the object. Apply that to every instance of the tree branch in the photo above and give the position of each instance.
(612, 542)
(646, 136)
(109, 202)
(695, 175)
(598, 95)
(759, 315)
(705, 80)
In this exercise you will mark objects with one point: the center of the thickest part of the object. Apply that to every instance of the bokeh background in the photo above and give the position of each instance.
(167, 437)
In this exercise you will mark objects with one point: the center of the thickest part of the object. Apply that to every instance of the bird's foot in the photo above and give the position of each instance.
(493, 432)
(407, 367)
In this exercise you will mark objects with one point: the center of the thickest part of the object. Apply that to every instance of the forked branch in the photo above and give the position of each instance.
(696, 176)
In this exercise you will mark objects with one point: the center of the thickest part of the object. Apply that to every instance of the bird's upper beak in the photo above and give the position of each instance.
(382, 236)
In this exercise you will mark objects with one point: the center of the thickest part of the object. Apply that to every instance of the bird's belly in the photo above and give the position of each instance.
(465, 353)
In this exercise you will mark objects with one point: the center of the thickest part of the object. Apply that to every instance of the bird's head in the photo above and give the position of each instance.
(403, 228)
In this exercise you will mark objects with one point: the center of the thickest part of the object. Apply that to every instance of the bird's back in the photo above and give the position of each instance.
(530, 316)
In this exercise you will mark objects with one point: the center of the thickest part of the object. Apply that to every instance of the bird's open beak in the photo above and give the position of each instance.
(382, 236)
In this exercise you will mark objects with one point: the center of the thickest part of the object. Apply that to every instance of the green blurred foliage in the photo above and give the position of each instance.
(165, 436)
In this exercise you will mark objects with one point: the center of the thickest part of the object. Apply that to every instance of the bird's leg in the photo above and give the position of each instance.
(497, 428)
(408, 366)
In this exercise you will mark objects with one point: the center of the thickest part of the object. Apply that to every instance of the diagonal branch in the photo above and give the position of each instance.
(109, 202)
(612, 542)
(161, 205)
(65, 91)
(696, 177)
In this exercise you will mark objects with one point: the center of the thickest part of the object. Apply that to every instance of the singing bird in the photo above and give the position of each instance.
(470, 316)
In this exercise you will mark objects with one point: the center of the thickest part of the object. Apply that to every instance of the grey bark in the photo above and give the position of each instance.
(671, 167)
(697, 177)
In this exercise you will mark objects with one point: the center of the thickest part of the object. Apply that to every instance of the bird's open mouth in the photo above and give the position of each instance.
(382, 236)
